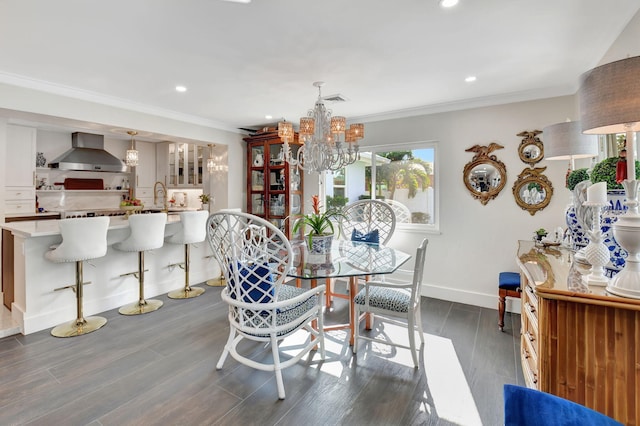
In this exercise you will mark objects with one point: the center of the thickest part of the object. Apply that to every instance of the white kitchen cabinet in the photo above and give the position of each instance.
(180, 165)
(145, 172)
(20, 161)
(20, 170)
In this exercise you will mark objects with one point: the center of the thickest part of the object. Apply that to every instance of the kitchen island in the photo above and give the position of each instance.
(37, 306)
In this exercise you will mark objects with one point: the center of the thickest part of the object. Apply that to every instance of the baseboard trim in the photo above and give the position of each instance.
(483, 300)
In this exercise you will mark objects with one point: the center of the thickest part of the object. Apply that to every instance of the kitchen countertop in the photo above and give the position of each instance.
(34, 214)
(41, 228)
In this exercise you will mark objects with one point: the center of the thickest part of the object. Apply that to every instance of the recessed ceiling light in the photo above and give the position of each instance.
(268, 117)
(448, 3)
(181, 89)
(470, 79)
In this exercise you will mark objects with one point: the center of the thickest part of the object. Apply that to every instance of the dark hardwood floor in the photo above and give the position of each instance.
(159, 368)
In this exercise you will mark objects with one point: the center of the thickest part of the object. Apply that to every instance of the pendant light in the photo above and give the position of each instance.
(211, 162)
(131, 159)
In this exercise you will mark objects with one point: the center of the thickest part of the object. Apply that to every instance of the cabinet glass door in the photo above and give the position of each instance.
(276, 179)
(257, 156)
(257, 204)
(199, 156)
(190, 164)
(276, 205)
(257, 180)
(173, 175)
(276, 154)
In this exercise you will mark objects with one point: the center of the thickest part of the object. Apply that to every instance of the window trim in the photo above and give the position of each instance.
(418, 227)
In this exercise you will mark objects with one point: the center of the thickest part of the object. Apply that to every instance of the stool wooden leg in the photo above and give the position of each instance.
(81, 325)
(501, 309)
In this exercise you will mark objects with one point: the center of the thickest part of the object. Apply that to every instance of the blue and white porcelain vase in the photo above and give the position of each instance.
(610, 215)
(320, 243)
(579, 218)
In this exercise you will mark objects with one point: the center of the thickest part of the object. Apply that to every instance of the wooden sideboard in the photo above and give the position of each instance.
(578, 342)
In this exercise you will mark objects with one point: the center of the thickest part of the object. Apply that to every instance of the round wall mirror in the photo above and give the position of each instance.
(485, 175)
(532, 190)
(531, 149)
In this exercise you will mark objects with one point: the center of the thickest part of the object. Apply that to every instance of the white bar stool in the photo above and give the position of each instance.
(147, 233)
(82, 239)
(193, 230)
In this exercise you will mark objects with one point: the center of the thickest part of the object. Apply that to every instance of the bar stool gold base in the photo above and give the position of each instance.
(141, 308)
(216, 282)
(78, 328)
(186, 293)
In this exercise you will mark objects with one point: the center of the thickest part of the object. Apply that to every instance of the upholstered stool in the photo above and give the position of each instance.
(192, 230)
(82, 239)
(147, 233)
(508, 286)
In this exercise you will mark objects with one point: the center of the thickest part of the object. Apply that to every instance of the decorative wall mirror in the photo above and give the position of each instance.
(532, 190)
(485, 175)
(531, 149)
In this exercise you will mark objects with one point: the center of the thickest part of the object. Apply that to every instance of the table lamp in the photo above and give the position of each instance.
(610, 103)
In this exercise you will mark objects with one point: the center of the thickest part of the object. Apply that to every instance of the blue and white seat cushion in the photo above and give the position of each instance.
(283, 316)
(390, 299)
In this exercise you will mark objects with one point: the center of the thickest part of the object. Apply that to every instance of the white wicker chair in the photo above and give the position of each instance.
(390, 301)
(362, 220)
(403, 214)
(255, 258)
(366, 216)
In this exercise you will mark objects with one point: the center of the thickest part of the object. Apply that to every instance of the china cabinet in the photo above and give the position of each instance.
(180, 165)
(274, 187)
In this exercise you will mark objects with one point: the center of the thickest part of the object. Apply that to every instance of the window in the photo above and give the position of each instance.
(404, 176)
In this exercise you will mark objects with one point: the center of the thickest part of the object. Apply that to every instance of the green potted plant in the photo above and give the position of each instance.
(575, 177)
(320, 224)
(540, 234)
(204, 198)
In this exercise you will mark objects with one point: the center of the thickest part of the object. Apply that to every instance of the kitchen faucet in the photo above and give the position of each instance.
(165, 196)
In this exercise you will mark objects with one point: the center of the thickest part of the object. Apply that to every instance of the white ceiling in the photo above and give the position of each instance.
(243, 61)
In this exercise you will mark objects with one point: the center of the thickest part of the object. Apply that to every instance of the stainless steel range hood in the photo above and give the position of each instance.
(88, 154)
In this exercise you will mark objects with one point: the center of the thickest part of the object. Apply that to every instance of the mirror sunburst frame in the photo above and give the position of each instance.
(484, 176)
(532, 190)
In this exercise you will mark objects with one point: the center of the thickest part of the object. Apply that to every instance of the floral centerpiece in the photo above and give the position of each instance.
(322, 228)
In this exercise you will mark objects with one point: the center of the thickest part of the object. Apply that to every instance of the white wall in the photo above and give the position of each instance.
(476, 242)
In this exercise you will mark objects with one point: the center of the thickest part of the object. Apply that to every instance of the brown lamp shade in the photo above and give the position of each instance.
(610, 98)
(564, 141)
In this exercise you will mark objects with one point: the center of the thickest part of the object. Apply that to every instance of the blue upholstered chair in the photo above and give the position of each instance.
(508, 286)
(530, 407)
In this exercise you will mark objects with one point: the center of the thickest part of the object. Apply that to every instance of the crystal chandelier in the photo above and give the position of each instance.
(131, 158)
(328, 144)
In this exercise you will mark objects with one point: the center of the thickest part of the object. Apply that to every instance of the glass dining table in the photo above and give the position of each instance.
(347, 259)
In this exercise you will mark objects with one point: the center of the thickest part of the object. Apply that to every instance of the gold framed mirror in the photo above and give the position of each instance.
(484, 176)
(532, 190)
(531, 149)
